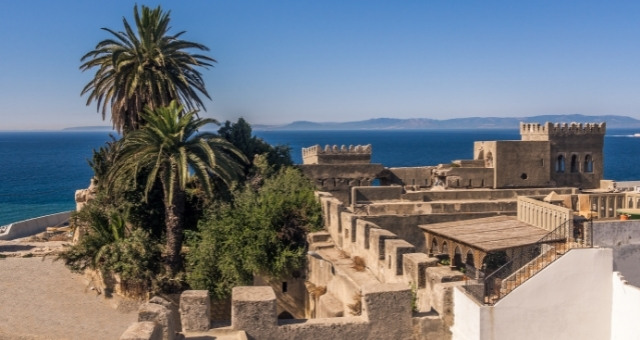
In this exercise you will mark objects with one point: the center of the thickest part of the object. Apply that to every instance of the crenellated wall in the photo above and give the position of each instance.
(359, 154)
(547, 131)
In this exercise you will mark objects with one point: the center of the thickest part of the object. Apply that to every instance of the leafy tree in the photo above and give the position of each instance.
(240, 135)
(145, 67)
(168, 148)
(262, 231)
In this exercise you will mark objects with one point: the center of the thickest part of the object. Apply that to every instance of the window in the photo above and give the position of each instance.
(588, 163)
(575, 167)
(560, 163)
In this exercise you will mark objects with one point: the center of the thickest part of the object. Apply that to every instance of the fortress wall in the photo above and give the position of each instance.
(470, 178)
(547, 131)
(363, 195)
(358, 154)
(410, 176)
(521, 164)
(33, 226)
(386, 314)
(481, 194)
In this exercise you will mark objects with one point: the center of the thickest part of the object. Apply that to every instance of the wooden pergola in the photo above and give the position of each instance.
(475, 239)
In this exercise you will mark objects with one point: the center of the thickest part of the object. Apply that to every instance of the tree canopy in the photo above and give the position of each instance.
(169, 148)
(144, 66)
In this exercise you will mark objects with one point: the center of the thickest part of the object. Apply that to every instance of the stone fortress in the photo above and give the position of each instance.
(519, 243)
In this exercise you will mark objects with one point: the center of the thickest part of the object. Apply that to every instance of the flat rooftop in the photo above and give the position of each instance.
(489, 234)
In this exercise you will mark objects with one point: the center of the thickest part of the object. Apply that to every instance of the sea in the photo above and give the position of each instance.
(40, 171)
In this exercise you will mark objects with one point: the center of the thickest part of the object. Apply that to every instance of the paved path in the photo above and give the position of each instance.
(42, 299)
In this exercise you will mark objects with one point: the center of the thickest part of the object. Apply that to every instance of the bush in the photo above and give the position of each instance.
(111, 248)
(262, 231)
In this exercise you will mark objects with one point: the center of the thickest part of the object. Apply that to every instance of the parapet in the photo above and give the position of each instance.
(359, 154)
(546, 131)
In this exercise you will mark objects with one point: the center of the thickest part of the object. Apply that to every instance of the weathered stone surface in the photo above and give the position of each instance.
(145, 330)
(195, 310)
(173, 307)
(159, 314)
(253, 310)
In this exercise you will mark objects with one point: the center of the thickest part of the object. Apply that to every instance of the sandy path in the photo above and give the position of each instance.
(41, 299)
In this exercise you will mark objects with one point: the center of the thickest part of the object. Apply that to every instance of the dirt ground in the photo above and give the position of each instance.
(42, 299)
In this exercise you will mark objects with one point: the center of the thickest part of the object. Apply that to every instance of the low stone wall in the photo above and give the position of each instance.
(33, 226)
(363, 195)
(386, 314)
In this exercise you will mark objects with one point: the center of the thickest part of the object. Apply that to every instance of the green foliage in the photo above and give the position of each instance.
(263, 231)
(110, 247)
(272, 157)
(144, 66)
(170, 150)
(103, 158)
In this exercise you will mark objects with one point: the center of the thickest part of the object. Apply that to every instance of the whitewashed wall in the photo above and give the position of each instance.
(625, 311)
(466, 324)
(570, 299)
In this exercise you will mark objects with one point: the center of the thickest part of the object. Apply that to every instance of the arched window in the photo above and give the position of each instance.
(434, 246)
(560, 163)
(574, 163)
(588, 163)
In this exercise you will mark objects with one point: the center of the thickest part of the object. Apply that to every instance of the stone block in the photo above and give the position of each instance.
(173, 307)
(395, 249)
(253, 309)
(385, 302)
(145, 330)
(195, 310)
(415, 268)
(159, 314)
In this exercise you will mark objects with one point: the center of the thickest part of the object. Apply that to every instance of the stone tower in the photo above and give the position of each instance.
(575, 153)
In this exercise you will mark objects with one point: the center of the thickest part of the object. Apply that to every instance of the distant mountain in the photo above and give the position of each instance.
(89, 128)
(613, 122)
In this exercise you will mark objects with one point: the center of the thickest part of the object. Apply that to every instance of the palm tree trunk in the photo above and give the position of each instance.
(174, 217)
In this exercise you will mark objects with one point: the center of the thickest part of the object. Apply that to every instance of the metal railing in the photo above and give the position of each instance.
(529, 260)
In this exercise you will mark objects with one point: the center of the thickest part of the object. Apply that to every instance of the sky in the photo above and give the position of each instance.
(335, 61)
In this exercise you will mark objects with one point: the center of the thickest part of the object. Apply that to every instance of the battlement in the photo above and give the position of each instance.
(541, 132)
(358, 154)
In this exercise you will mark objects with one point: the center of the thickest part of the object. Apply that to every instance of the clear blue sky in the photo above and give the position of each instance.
(281, 61)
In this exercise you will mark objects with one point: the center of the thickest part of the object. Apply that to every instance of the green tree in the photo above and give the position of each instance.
(263, 231)
(145, 67)
(266, 159)
(169, 148)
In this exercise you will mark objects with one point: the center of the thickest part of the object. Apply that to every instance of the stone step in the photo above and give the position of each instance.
(319, 236)
(321, 245)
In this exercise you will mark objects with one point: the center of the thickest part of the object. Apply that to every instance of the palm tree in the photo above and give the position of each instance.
(170, 149)
(144, 68)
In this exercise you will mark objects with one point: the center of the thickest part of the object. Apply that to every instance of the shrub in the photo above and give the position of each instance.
(262, 231)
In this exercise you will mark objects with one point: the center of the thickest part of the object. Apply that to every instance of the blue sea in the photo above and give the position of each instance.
(40, 171)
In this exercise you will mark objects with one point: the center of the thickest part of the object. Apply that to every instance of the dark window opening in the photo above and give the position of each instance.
(524, 176)
(560, 163)
(574, 163)
(284, 287)
(588, 163)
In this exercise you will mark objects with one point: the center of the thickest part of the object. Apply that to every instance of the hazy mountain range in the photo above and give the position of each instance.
(456, 123)
(613, 122)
